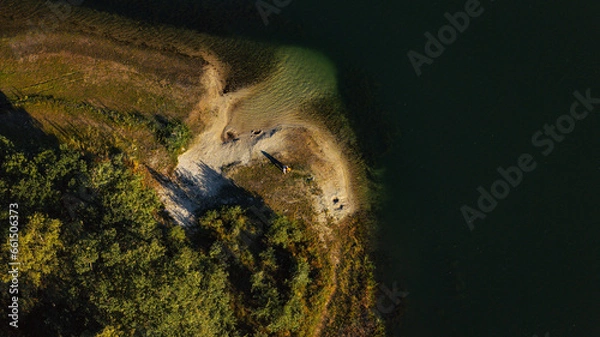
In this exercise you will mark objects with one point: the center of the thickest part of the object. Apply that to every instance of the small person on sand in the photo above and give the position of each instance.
(286, 169)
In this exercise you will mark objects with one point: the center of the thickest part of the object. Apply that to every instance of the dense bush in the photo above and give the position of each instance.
(95, 260)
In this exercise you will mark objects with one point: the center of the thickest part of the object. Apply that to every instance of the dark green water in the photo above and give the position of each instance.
(532, 265)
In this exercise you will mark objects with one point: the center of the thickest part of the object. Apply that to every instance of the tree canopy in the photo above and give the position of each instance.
(97, 260)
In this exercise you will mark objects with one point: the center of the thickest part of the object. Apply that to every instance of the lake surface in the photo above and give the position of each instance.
(531, 267)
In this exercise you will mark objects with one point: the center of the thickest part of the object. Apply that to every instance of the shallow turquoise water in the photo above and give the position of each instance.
(301, 75)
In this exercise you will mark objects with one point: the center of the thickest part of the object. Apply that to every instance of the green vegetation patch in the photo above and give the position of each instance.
(98, 259)
(94, 257)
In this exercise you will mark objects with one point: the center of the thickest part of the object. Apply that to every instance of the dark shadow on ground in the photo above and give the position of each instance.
(199, 193)
(22, 130)
(273, 160)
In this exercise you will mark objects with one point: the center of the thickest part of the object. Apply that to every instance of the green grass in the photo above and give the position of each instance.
(85, 102)
(102, 131)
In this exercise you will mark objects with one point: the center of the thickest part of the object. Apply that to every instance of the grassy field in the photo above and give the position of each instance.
(95, 103)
